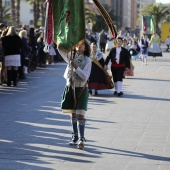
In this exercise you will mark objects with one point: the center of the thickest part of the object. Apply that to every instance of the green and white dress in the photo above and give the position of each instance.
(79, 78)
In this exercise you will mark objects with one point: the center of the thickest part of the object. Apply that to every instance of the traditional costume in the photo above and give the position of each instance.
(155, 49)
(80, 77)
(64, 20)
(144, 43)
(99, 78)
(76, 93)
(120, 59)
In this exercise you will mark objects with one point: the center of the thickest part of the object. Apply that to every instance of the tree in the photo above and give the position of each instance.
(6, 14)
(90, 16)
(159, 11)
(100, 22)
(39, 11)
(13, 12)
(17, 12)
(1, 12)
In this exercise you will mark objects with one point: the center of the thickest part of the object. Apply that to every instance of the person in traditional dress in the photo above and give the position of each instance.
(128, 72)
(144, 44)
(155, 46)
(134, 50)
(99, 78)
(76, 93)
(120, 61)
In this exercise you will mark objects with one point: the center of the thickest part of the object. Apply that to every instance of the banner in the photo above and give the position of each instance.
(69, 23)
(148, 24)
(48, 32)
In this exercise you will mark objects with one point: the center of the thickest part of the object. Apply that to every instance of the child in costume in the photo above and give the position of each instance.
(76, 93)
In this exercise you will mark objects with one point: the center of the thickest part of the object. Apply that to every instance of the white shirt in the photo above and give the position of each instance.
(118, 49)
(83, 74)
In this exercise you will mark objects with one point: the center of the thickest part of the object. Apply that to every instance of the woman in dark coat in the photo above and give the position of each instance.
(12, 45)
(32, 42)
(24, 54)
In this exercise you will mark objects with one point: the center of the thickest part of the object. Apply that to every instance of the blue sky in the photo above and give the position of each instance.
(163, 1)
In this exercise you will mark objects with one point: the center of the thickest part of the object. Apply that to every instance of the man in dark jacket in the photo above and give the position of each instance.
(102, 41)
(120, 60)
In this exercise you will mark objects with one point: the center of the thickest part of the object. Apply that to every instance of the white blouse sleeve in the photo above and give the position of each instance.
(65, 56)
(85, 73)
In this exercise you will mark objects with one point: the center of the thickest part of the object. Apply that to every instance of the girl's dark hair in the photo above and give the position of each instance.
(87, 49)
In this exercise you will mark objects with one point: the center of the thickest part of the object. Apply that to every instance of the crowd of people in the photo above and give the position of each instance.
(22, 51)
(136, 48)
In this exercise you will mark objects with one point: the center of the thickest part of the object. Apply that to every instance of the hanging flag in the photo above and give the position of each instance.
(69, 23)
(148, 24)
(152, 25)
(48, 32)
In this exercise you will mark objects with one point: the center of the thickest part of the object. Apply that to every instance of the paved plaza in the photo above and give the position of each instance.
(123, 133)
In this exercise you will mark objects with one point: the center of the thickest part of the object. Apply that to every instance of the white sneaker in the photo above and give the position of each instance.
(80, 144)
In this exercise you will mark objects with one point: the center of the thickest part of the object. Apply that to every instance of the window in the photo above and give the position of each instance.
(7, 3)
(31, 11)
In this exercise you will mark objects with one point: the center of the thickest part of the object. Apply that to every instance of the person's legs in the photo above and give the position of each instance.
(81, 128)
(9, 75)
(114, 73)
(142, 58)
(154, 58)
(74, 129)
(120, 81)
(96, 92)
(146, 59)
(167, 47)
(15, 71)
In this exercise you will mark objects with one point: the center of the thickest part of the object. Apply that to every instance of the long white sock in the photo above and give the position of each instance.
(119, 86)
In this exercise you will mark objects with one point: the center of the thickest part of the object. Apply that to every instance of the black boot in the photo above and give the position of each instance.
(15, 77)
(9, 77)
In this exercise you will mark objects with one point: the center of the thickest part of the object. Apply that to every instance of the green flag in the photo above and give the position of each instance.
(69, 23)
(152, 25)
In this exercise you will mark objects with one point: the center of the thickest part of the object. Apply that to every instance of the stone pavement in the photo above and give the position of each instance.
(126, 133)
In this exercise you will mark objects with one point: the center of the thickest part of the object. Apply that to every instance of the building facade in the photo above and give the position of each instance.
(26, 12)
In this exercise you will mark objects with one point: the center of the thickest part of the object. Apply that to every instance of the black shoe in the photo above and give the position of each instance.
(115, 93)
(90, 91)
(120, 94)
